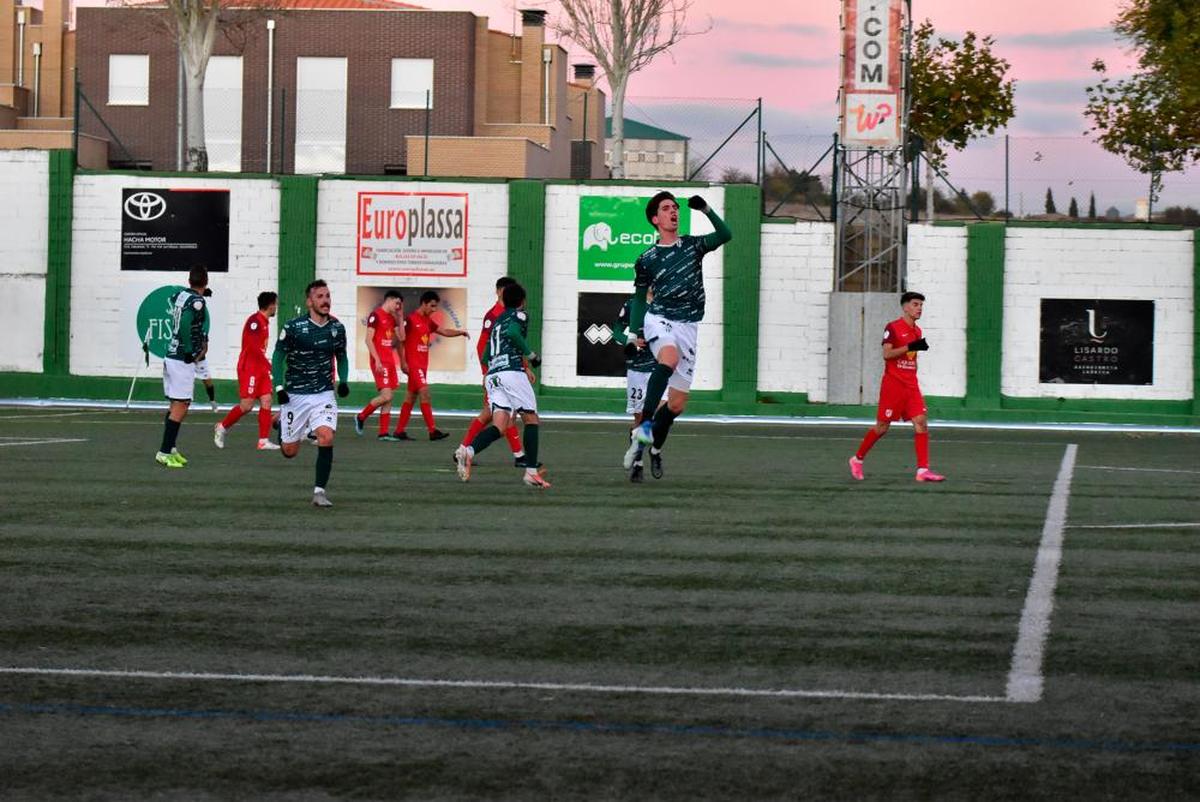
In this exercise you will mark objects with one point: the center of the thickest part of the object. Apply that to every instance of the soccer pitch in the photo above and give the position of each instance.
(754, 625)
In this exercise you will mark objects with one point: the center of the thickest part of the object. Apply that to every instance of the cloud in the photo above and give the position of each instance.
(1082, 37)
(1055, 91)
(791, 29)
(754, 58)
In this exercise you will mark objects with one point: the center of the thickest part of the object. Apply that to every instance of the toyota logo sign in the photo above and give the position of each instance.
(145, 206)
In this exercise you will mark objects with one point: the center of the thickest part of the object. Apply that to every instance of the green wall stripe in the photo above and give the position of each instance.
(297, 243)
(1196, 321)
(56, 337)
(526, 249)
(985, 313)
(743, 266)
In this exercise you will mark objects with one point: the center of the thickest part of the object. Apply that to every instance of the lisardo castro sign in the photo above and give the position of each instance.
(1097, 342)
(871, 79)
(412, 234)
(596, 354)
(175, 229)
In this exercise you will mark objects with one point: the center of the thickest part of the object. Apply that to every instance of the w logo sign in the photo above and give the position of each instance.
(869, 120)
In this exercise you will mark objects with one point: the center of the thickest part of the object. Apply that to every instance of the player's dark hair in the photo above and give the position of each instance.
(393, 294)
(198, 276)
(505, 281)
(430, 295)
(513, 296)
(313, 285)
(265, 299)
(652, 206)
(911, 296)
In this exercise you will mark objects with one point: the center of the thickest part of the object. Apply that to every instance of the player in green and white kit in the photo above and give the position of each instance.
(302, 371)
(509, 384)
(673, 271)
(189, 343)
(639, 364)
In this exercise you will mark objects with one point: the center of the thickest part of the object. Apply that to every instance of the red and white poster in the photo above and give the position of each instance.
(411, 234)
(872, 102)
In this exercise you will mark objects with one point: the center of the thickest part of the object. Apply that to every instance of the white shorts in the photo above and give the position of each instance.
(510, 391)
(635, 389)
(306, 413)
(660, 332)
(178, 379)
(201, 366)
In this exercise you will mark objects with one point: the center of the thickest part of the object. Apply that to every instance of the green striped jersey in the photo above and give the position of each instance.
(674, 273)
(188, 325)
(506, 344)
(310, 350)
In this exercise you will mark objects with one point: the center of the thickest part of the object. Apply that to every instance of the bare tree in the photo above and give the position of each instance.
(623, 36)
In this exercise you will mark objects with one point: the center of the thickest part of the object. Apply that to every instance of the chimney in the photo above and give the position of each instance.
(533, 16)
(585, 74)
(533, 40)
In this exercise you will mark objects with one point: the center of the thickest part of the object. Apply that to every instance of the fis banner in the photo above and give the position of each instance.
(596, 354)
(872, 104)
(147, 319)
(445, 353)
(1097, 342)
(175, 229)
(412, 234)
(613, 232)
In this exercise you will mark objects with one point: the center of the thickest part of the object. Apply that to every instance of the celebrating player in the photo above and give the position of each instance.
(188, 343)
(387, 362)
(672, 269)
(639, 363)
(305, 353)
(254, 374)
(899, 394)
(485, 417)
(509, 385)
(419, 328)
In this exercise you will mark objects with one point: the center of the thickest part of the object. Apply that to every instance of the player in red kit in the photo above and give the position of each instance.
(899, 394)
(387, 362)
(485, 417)
(419, 330)
(254, 374)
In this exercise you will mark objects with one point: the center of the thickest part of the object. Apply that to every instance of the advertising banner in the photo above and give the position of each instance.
(1097, 342)
(596, 354)
(411, 234)
(613, 232)
(175, 229)
(146, 317)
(871, 99)
(445, 353)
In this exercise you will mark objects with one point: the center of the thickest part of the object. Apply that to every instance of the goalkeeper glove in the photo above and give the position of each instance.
(535, 361)
(281, 394)
(343, 390)
(918, 345)
(696, 202)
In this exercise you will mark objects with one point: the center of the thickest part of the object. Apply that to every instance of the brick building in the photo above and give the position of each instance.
(651, 153)
(342, 86)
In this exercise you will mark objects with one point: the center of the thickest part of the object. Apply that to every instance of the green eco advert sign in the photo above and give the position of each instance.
(613, 232)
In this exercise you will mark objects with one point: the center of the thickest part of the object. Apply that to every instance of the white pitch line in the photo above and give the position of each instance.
(1025, 680)
(41, 417)
(316, 679)
(1134, 526)
(1140, 470)
(46, 442)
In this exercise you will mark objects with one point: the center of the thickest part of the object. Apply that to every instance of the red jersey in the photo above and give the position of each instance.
(255, 332)
(382, 324)
(903, 368)
(418, 332)
(489, 320)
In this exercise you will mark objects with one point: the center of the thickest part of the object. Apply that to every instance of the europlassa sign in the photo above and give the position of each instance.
(613, 232)
(411, 234)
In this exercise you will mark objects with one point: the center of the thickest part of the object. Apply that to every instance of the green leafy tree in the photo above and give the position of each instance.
(1073, 210)
(983, 202)
(1050, 207)
(734, 175)
(1152, 118)
(958, 92)
(1181, 216)
(1092, 206)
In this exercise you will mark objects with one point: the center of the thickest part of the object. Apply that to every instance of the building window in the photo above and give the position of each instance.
(320, 115)
(128, 80)
(223, 113)
(412, 83)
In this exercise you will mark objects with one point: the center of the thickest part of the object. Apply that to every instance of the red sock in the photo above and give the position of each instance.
(514, 440)
(427, 414)
(233, 417)
(366, 412)
(385, 420)
(405, 412)
(264, 423)
(475, 428)
(921, 441)
(867, 442)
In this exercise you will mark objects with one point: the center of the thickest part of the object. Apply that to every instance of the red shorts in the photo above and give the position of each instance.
(899, 401)
(416, 379)
(254, 383)
(386, 374)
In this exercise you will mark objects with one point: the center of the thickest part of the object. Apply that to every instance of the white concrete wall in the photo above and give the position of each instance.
(937, 268)
(24, 223)
(563, 286)
(1119, 264)
(793, 309)
(101, 333)
(487, 259)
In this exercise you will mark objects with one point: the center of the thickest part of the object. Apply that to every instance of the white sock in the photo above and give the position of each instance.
(318, 490)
